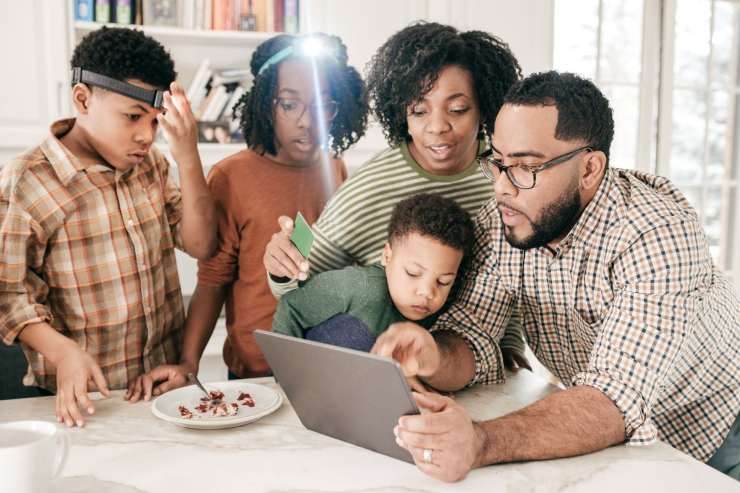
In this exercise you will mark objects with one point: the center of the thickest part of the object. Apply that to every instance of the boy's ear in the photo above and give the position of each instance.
(387, 252)
(81, 96)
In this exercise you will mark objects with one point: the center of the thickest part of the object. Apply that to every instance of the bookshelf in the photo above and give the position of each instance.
(178, 34)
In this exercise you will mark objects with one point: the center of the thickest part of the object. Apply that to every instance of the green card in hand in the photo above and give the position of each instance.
(302, 236)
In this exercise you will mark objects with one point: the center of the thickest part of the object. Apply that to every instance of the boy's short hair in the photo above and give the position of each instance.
(433, 216)
(122, 54)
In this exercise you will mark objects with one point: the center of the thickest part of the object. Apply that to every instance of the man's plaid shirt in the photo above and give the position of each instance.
(629, 303)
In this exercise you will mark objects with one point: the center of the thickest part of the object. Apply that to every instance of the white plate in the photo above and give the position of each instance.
(266, 401)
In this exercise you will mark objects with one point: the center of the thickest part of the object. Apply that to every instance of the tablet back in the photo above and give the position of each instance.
(349, 395)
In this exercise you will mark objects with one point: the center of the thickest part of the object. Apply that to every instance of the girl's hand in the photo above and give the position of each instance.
(282, 258)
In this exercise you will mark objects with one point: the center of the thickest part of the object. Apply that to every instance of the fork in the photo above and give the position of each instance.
(194, 379)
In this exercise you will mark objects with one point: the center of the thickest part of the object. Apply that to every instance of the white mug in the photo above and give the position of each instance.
(32, 453)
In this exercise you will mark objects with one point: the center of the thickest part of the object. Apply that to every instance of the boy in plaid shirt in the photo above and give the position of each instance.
(89, 221)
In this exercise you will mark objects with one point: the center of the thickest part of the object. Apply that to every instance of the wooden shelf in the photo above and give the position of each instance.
(178, 33)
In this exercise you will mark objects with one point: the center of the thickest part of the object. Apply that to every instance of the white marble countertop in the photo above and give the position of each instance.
(124, 448)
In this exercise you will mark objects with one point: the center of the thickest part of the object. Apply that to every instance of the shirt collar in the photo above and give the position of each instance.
(66, 165)
(470, 169)
(591, 227)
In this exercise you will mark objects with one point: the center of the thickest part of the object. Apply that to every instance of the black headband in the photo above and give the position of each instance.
(154, 98)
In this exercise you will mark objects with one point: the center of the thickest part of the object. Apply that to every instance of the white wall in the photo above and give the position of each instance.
(33, 34)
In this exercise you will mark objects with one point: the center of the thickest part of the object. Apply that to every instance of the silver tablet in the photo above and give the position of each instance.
(353, 396)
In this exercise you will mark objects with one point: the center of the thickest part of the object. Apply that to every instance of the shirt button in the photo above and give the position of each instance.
(130, 222)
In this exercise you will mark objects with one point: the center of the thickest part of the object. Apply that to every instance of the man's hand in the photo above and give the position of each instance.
(417, 385)
(456, 445)
(514, 360)
(167, 377)
(180, 127)
(282, 258)
(412, 346)
(76, 371)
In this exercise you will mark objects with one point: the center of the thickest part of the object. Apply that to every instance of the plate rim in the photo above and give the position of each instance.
(223, 422)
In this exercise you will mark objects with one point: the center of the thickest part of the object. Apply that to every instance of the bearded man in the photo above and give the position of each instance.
(611, 274)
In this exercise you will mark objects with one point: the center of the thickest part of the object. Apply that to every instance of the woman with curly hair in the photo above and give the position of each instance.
(299, 110)
(436, 92)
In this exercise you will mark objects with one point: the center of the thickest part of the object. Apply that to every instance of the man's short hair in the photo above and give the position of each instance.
(583, 111)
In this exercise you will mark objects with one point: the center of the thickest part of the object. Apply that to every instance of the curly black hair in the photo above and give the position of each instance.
(255, 108)
(406, 67)
(123, 53)
(434, 216)
(583, 111)
(440, 218)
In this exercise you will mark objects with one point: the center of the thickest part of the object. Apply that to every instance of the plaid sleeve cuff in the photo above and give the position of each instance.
(18, 319)
(638, 427)
(489, 363)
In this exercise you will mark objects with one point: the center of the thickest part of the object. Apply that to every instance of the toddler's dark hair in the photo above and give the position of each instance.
(434, 216)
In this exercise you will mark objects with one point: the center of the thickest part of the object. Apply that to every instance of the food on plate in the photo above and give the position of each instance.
(245, 399)
(216, 407)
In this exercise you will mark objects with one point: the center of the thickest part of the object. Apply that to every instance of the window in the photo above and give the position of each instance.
(670, 69)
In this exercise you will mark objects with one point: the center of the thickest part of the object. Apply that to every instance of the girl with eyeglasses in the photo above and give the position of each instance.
(303, 110)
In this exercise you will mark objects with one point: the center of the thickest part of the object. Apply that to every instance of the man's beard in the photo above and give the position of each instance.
(556, 221)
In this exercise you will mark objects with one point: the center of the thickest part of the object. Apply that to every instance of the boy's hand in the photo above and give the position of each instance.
(75, 370)
(168, 377)
(180, 127)
(282, 258)
(412, 346)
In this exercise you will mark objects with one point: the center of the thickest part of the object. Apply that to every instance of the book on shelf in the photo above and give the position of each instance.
(279, 16)
(85, 10)
(198, 87)
(290, 16)
(162, 13)
(125, 11)
(220, 132)
(104, 11)
(214, 92)
(247, 17)
(218, 15)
